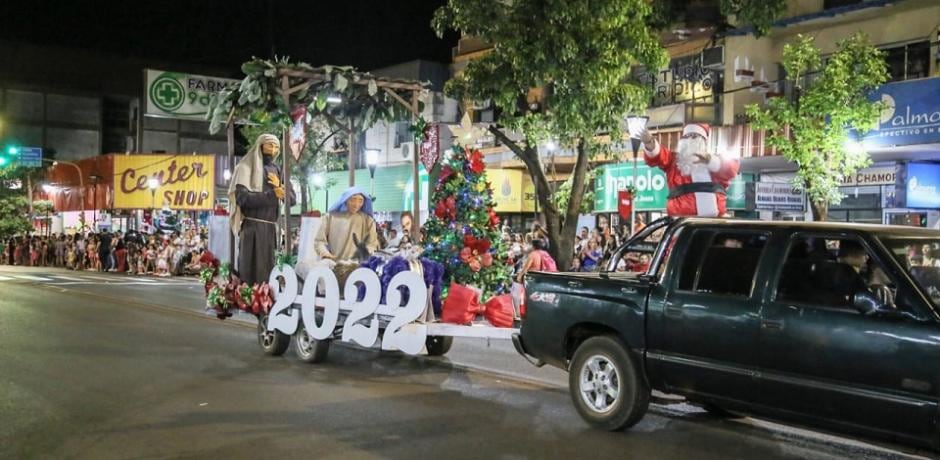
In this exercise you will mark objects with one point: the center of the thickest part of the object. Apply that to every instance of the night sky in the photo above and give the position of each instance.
(364, 34)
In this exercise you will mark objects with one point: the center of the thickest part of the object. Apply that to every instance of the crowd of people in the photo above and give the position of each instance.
(160, 254)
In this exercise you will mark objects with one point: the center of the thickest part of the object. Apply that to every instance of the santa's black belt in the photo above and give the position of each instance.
(261, 220)
(696, 187)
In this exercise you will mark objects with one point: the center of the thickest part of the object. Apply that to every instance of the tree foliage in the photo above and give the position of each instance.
(258, 99)
(14, 218)
(812, 129)
(579, 55)
(758, 13)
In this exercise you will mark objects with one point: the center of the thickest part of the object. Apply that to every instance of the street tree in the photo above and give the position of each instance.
(580, 55)
(817, 129)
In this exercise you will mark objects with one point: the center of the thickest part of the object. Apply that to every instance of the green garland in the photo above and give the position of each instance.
(281, 259)
(417, 130)
(257, 98)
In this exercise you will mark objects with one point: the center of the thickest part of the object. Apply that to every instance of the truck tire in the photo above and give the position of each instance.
(438, 345)
(308, 349)
(606, 385)
(273, 343)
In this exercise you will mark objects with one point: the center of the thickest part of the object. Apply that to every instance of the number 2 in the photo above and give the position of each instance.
(353, 330)
(279, 317)
(396, 337)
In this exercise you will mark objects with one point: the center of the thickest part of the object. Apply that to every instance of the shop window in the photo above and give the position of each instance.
(827, 4)
(908, 61)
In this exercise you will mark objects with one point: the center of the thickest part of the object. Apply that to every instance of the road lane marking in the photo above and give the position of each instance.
(31, 277)
(5, 278)
(67, 278)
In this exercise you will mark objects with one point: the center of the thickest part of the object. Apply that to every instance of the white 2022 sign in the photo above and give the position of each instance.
(362, 322)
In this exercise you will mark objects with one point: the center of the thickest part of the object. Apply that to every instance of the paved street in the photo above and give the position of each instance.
(126, 368)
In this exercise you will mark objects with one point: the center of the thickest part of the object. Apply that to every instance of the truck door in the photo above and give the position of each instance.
(826, 360)
(705, 341)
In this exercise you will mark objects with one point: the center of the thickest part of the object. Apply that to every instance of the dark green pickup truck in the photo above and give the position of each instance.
(829, 325)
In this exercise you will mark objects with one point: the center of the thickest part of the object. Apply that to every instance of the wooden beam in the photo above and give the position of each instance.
(300, 87)
(402, 101)
(364, 79)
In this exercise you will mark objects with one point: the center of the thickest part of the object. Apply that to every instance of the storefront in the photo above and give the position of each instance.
(652, 193)
(120, 197)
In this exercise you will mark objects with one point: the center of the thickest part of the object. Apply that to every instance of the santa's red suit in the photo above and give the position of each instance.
(695, 188)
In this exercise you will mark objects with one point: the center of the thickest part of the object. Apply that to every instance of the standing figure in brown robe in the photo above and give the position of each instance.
(255, 194)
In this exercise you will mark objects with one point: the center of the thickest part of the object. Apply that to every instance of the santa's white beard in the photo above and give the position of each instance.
(685, 154)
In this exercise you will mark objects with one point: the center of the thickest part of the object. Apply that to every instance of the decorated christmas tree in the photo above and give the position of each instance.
(462, 229)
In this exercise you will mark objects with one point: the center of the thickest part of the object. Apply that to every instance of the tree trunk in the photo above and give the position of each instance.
(304, 190)
(561, 225)
(820, 210)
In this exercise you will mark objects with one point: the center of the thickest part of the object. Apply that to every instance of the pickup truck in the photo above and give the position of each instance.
(831, 325)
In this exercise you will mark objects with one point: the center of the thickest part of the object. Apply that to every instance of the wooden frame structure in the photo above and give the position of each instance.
(404, 92)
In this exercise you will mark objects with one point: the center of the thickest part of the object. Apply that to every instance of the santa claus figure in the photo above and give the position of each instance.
(698, 181)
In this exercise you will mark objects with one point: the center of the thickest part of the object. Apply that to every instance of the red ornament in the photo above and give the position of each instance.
(261, 299)
(494, 219)
(477, 165)
(487, 259)
(466, 254)
(475, 264)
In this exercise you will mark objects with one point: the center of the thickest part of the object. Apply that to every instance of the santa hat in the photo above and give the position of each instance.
(701, 129)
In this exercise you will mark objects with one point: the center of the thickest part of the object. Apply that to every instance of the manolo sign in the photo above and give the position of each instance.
(186, 182)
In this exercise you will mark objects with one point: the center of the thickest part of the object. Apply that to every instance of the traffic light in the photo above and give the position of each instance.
(8, 155)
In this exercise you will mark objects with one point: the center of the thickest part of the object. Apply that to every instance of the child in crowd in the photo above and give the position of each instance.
(70, 257)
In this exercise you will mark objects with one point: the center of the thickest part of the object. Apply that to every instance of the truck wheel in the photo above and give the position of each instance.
(438, 345)
(606, 385)
(308, 349)
(273, 343)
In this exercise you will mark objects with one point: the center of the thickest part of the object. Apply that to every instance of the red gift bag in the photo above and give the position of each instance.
(461, 305)
(499, 311)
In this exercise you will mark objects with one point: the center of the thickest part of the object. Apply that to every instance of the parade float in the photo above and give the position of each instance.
(452, 283)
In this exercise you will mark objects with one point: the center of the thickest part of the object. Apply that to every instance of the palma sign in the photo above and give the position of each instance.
(181, 95)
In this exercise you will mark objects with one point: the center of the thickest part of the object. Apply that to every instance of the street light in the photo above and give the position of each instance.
(94, 199)
(153, 183)
(635, 124)
(372, 160)
(227, 175)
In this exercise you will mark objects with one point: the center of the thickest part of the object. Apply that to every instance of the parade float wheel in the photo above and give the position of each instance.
(606, 386)
(273, 343)
(438, 345)
(308, 349)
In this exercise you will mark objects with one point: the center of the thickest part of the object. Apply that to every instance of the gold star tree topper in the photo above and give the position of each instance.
(465, 133)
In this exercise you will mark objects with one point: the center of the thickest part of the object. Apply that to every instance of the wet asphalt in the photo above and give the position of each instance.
(136, 370)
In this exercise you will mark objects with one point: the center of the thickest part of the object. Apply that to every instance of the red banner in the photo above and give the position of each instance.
(624, 203)
(430, 148)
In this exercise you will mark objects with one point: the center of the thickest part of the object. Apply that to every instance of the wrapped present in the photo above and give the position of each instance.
(461, 305)
(499, 312)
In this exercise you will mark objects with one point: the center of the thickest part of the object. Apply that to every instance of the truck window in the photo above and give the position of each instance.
(827, 272)
(722, 263)
(693, 258)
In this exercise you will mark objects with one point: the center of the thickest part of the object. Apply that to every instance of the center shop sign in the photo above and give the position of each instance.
(652, 188)
(187, 182)
(911, 115)
(182, 95)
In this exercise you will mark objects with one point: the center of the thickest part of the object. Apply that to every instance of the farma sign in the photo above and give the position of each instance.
(181, 95)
